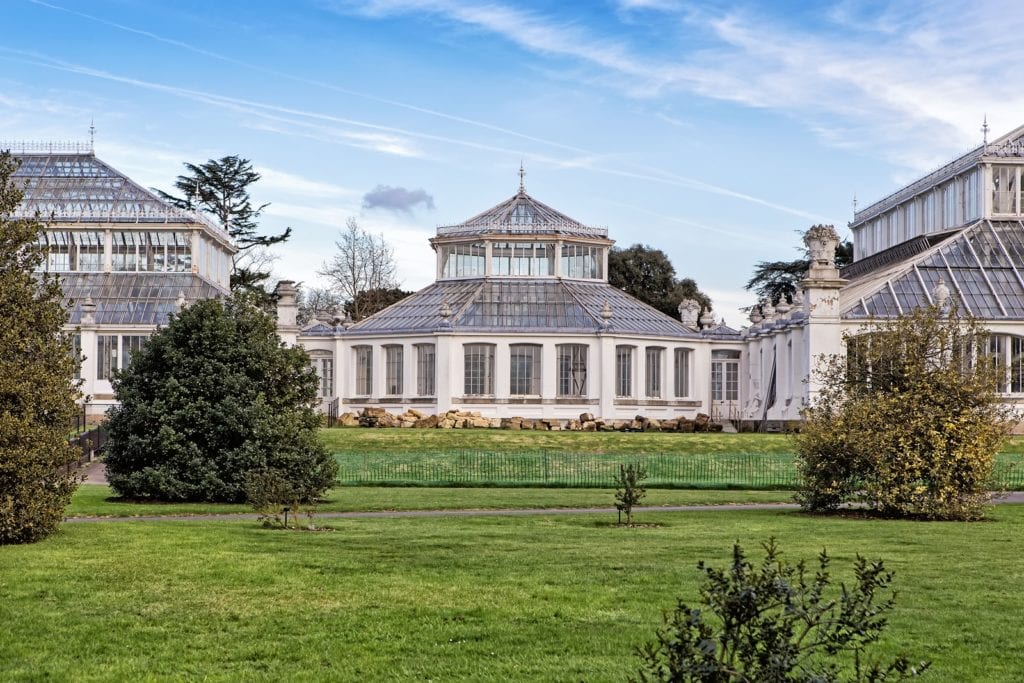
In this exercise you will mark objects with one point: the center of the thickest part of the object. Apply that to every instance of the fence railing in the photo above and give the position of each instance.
(563, 470)
(543, 468)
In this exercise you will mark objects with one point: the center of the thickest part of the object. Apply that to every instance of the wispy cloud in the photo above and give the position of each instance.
(907, 80)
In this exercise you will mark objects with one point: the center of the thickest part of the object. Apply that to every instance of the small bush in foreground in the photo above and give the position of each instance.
(629, 488)
(773, 623)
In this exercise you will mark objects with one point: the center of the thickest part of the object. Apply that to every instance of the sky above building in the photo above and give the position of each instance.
(715, 131)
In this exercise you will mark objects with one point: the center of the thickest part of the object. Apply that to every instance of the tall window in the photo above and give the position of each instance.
(725, 375)
(364, 370)
(624, 371)
(393, 370)
(425, 369)
(572, 370)
(681, 377)
(479, 369)
(652, 371)
(325, 373)
(106, 355)
(524, 369)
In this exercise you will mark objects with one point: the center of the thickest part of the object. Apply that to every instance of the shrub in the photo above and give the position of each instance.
(37, 390)
(630, 489)
(210, 399)
(773, 623)
(908, 422)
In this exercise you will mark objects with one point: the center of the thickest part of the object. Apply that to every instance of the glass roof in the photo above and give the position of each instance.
(522, 214)
(983, 266)
(133, 298)
(512, 305)
(78, 187)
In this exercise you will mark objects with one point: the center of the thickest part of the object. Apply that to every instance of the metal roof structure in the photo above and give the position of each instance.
(981, 264)
(66, 183)
(507, 305)
(522, 214)
(1008, 145)
(133, 298)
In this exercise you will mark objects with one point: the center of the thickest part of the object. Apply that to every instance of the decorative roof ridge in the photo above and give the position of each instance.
(458, 315)
(599, 322)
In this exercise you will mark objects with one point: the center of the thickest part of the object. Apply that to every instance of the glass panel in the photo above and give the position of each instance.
(572, 370)
(393, 370)
(364, 370)
(524, 369)
(425, 369)
(106, 355)
(479, 369)
(682, 373)
(652, 365)
(624, 371)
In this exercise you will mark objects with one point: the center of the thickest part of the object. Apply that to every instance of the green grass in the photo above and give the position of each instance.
(96, 500)
(540, 598)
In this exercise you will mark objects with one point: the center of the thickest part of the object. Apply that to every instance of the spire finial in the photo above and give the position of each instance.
(92, 135)
(854, 202)
(984, 130)
(522, 175)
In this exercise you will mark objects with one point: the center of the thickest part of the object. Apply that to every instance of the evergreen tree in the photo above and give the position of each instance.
(212, 400)
(220, 187)
(37, 390)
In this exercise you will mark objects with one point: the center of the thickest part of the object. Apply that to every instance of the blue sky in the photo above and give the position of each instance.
(714, 131)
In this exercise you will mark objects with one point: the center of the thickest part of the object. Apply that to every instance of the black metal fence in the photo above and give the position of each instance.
(543, 468)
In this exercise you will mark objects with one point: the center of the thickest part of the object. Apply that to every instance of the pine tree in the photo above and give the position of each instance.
(220, 187)
(37, 390)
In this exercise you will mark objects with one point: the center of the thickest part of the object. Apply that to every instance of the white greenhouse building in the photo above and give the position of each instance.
(521, 320)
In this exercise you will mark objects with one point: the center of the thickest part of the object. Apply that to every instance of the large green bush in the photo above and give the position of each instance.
(37, 391)
(908, 422)
(213, 398)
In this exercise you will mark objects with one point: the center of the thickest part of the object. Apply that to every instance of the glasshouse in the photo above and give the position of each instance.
(521, 320)
(127, 259)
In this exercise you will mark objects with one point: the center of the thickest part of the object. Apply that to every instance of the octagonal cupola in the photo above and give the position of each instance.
(521, 238)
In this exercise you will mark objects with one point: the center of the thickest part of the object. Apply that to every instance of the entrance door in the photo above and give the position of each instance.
(725, 384)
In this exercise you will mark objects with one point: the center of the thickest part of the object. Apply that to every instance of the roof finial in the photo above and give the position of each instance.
(855, 203)
(92, 135)
(984, 132)
(522, 174)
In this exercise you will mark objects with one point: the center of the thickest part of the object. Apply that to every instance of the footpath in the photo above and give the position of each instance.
(95, 474)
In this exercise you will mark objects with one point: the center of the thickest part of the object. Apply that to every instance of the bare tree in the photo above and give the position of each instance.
(362, 263)
(317, 301)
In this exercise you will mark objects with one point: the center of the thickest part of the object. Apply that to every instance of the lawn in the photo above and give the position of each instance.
(96, 500)
(540, 598)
